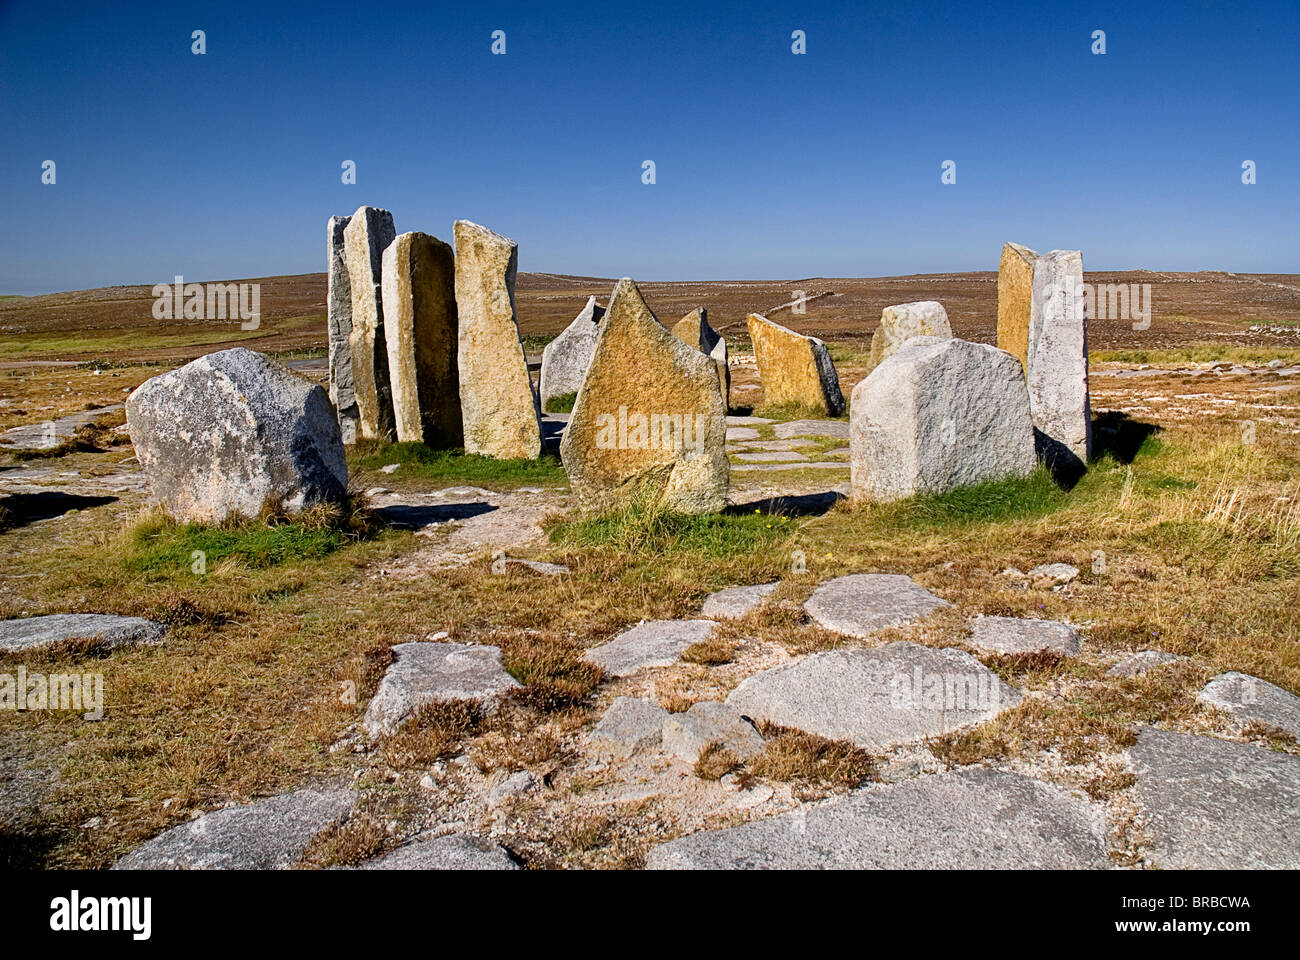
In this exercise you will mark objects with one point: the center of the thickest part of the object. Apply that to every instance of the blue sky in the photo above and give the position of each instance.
(768, 165)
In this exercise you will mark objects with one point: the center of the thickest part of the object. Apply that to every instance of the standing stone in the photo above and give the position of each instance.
(649, 420)
(1041, 321)
(694, 329)
(369, 231)
(233, 433)
(343, 393)
(937, 415)
(499, 409)
(794, 368)
(566, 358)
(899, 323)
(419, 288)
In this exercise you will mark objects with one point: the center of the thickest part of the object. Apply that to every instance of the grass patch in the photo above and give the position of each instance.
(712, 652)
(561, 404)
(794, 756)
(1199, 353)
(455, 466)
(981, 503)
(796, 411)
(715, 762)
(641, 528)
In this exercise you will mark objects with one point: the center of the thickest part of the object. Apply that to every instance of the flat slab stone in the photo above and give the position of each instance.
(739, 421)
(655, 644)
(863, 603)
(737, 434)
(1052, 574)
(1140, 663)
(112, 631)
(878, 698)
(839, 429)
(456, 851)
(1215, 805)
(972, 819)
(1251, 699)
(51, 433)
(775, 467)
(687, 734)
(736, 601)
(628, 726)
(1015, 635)
(424, 673)
(772, 456)
(270, 834)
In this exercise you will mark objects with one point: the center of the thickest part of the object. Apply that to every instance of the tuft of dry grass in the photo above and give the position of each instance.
(711, 652)
(434, 731)
(793, 756)
(716, 761)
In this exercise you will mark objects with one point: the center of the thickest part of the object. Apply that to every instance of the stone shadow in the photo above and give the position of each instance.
(794, 505)
(408, 516)
(1119, 435)
(20, 509)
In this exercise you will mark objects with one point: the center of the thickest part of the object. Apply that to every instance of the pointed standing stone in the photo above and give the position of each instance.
(368, 233)
(694, 329)
(901, 322)
(566, 358)
(499, 409)
(1041, 321)
(794, 368)
(649, 418)
(420, 332)
(339, 327)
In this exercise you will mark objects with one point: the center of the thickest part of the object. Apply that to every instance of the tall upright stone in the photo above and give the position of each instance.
(649, 420)
(901, 322)
(694, 330)
(499, 408)
(566, 358)
(343, 393)
(1042, 322)
(420, 331)
(369, 231)
(794, 369)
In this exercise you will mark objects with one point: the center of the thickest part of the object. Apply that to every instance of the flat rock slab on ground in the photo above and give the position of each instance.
(1016, 635)
(111, 631)
(736, 601)
(1140, 663)
(812, 428)
(1215, 805)
(879, 698)
(270, 834)
(655, 644)
(737, 434)
(1251, 699)
(973, 819)
(629, 725)
(687, 734)
(772, 456)
(456, 851)
(425, 673)
(863, 603)
(51, 433)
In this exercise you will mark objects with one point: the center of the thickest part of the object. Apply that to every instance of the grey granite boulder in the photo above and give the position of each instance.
(902, 322)
(566, 358)
(455, 851)
(423, 673)
(864, 603)
(879, 698)
(628, 726)
(368, 233)
(109, 631)
(1140, 663)
(1253, 700)
(736, 601)
(233, 432)
(687, 734)
(1214, 805)
(972, 819)
(270, 834)
(937, 415)
(338, 321)
(1015, 635)
(655, 644)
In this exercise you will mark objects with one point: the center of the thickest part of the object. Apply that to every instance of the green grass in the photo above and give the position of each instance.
(992, 502)
(536, 342)
(456, 466)
(1198, 353)
(796, 411)
(562, 404)
(642, 529)
(160, 546)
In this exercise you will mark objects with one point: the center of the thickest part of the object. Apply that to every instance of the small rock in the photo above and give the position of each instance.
(1014, 635)
(515, 785)
(629, 725)
(29, 632)
(423, 673)
(755, 796)
(389, 468)
(686, 734)
(1140, 663)
(451, 852)
(736, 602)
(1251, 699)
(1052, 574)
(864, 603)
(655, 644)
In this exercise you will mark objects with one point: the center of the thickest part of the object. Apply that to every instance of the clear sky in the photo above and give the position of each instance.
(768, 164)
